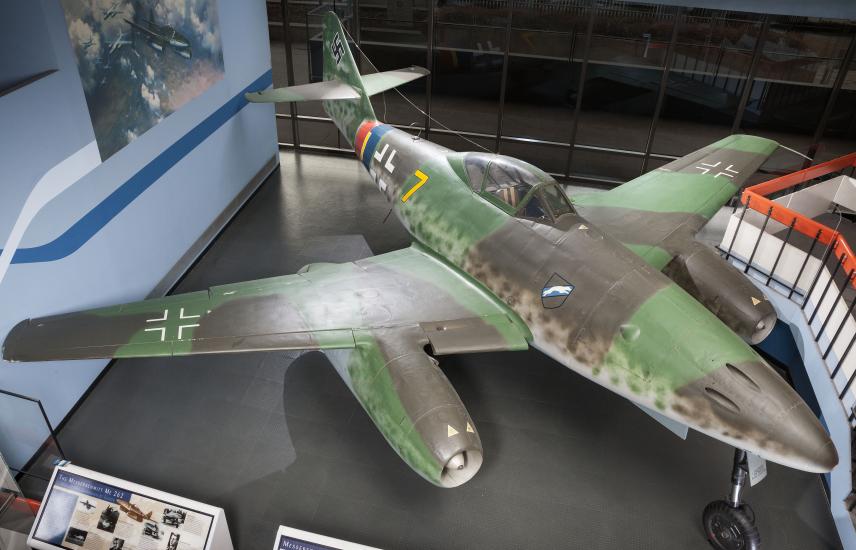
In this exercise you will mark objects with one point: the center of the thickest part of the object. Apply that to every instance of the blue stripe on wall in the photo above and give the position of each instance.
(95, 220)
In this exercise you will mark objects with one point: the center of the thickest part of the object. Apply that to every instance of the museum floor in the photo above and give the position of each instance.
(276, 438)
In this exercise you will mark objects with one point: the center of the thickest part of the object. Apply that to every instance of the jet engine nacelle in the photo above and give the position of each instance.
(724, 290)
(414, 406)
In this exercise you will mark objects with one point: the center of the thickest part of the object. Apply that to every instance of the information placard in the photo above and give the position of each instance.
(289, 538)
(85, 510)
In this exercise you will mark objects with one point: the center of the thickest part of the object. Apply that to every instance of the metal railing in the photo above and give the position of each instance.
(32, 454)
(837, 259)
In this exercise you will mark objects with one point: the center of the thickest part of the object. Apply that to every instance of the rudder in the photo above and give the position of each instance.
(339, 64)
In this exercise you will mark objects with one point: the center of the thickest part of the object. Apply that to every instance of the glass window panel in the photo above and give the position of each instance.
(540, 99)
(618, 106)
(551, 159)
(542, 81)
(322, 132)
(606, 169)
(278, 68)
(713, 53)
(840, 135)
(284, 133)
(626, 57)
(629, 34)
(796, 70)
(394, 35)
(468, 58)
(796, 53)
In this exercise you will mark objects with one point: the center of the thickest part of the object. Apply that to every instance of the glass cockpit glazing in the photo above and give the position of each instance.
(517, 187)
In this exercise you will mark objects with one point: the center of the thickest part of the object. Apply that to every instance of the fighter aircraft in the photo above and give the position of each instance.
(117, 43)
(163, 36)
(86, 504)
(112, 11)
(86, 44)
(611, 285)
(132, 510)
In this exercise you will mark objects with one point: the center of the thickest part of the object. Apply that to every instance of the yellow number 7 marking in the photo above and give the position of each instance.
(422, 179)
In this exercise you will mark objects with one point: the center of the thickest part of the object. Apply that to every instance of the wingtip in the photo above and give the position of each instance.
(7, 350)
(253, 97)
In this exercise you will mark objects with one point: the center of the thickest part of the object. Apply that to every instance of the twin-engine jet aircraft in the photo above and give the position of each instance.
(612, 285)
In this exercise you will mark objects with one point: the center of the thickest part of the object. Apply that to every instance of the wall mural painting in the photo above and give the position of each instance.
(141, 60)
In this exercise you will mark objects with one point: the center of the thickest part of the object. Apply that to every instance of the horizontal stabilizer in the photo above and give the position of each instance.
(317, 91)
(326, 90)
(376, 83)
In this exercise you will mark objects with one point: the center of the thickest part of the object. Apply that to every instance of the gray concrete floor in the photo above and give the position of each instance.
(276, 438)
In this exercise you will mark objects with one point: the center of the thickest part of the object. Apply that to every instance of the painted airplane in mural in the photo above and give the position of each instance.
(114, 10)
(612, 285)
(161, 37)
(117, 43)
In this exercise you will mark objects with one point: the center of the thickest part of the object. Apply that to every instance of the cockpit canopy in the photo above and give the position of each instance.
(517, 187)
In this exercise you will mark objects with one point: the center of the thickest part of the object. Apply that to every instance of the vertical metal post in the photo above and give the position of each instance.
(737, 229)
(429, 64)
(289, 69)
(838, 333)
(805, 263)
(581, 85)
(355, 9)
(781, 250)
(832, 244)
(504, 79)
(830, 102)
(758, 241)
(838, 265)
(841, 362)
(834, 303)
(51, 429)
(664, 82)
(750, 78)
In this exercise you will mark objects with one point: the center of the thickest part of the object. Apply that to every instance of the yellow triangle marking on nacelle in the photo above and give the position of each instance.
(470, 428)
(755, 301)
(452, 431)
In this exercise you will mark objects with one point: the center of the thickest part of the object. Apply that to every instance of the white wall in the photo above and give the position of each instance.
(100, 261)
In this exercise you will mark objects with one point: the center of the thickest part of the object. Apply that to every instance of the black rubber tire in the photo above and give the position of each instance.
(728, 528)
(746, 509)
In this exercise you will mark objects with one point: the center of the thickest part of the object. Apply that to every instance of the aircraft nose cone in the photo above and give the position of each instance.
(753, 408)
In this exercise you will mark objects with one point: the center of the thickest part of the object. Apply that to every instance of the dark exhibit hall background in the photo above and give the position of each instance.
(592, 92)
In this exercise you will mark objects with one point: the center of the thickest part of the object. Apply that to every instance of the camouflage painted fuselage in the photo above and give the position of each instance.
(590, 295)
(625, 325)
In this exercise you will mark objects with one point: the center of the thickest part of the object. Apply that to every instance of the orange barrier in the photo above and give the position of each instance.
(755, 197)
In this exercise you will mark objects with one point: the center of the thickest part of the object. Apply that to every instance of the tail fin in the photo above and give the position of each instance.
(339, 64)
(344, 93)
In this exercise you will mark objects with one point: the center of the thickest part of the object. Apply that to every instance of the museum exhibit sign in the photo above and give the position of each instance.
(86, 509)
(289, 538)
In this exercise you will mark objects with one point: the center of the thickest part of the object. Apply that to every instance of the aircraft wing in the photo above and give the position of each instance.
(655, 213)
(324, 306)
(142, 28)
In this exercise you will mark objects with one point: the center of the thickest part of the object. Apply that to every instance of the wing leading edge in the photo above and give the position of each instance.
(322, 307)
(656, 213)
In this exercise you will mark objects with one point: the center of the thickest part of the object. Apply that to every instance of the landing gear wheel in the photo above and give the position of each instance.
(746, 509)
(729, 528)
